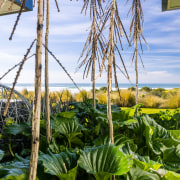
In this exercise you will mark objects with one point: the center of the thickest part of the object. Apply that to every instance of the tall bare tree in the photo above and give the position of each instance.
(94, 43)
(116, 31)
(48, 124)
(37, 97)
(136, 29)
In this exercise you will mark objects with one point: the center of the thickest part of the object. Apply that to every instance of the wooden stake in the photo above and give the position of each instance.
(37, 97)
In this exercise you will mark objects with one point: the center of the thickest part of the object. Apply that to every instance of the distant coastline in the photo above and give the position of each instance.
(88, 86)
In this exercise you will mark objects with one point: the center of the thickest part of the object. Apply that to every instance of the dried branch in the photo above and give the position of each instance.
(61, 66)
(17, 20)
(57, 6)
(14, 67)
(16, 78)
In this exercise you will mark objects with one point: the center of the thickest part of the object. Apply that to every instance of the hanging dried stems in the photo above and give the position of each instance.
(94, 45)
(136, 29)
(62, 67)
(116, 31)
(15, 67)
(17, 20)
(16, 78)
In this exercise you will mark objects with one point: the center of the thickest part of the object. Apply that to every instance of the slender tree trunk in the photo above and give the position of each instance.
(94, 86)
(109, 73)
(48, 125)
(136, 50)
(94, 57)
(136, 69)
(37, 97)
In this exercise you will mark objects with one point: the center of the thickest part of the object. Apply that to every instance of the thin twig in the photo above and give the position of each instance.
(17, 20)
(14, 67)
(57, 6)
(62, 67)
(16, 78)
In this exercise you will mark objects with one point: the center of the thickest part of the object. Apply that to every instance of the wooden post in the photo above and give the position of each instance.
(48, 124)
(109, 71)
(37, 97)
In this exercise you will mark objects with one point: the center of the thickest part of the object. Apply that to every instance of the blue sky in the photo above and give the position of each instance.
(68, 32)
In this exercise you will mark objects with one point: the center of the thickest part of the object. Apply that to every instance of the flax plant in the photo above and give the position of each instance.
(94, 46)
(136, 29)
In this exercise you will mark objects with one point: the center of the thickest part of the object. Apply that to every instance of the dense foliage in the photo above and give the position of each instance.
(146, 146)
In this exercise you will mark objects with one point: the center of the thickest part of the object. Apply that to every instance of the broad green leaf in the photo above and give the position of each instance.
(104, 161)
(124, 123)
(171, 176)
(1, 154)
(138, 174)
(67, 114)
(67, 126)
(14, 129)
(147, 164)
(143, 162)
(63, 165)
(171, 158)
(118, 140)
(175, 133)
(13, 174)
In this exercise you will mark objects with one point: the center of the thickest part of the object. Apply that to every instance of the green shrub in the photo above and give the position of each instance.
(132, 88)
(103, 89)
(147, 89)
(158, 92)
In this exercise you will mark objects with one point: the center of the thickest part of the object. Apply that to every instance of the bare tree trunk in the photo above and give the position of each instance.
(37, 97)
(136, 69)
(94, 81)
(48, 125)
(109, 72)
(94, 57)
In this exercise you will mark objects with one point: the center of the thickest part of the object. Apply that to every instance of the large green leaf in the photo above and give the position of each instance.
(68, 127)
(1, 154)
(62, 165)
(15, 129)
(13, 174)
(104, 161)
(171, 176)
(118, 140)
(137, 173)
(175, 133)
(67, 114)
(15, 170)
(171, 158)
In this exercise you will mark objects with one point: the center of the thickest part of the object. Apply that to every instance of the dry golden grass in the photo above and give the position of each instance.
(171, 100)
(151, 101)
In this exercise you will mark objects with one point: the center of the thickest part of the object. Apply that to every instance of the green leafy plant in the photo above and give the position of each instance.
(62, 165)
(105, 161)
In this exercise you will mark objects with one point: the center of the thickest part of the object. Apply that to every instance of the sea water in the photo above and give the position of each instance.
(88, 86)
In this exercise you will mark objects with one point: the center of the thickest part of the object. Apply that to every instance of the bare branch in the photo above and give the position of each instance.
(17, 20)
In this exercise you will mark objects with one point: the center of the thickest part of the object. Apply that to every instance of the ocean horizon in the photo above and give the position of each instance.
(88, 86)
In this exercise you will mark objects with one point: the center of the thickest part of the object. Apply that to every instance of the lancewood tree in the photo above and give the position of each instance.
(94, 45)
(136, 29)
(116, 31)
(37, 97)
